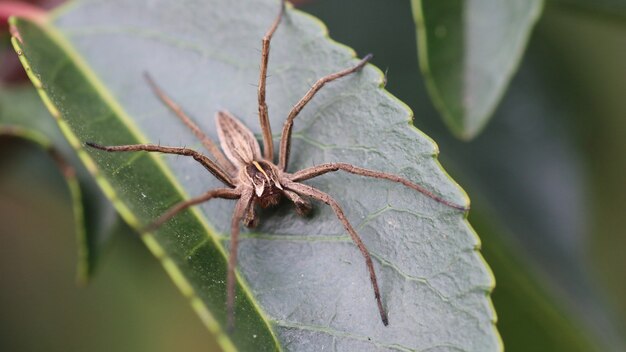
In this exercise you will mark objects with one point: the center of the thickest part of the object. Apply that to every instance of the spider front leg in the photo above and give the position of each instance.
(208, 164)
(180, 113)
(285, 138)
(268, 143)
(323, 197)
(319, 170)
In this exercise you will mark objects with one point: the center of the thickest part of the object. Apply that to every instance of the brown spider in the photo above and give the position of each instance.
(253, 178)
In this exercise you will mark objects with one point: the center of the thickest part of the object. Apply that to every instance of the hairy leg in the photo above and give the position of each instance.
(239, 213)
(208, 164)
(303, 206)
(285, 139)
(319, 170)
(323, 197)
(251, 219)
(226, 193)
(268, 144)
(206, 141)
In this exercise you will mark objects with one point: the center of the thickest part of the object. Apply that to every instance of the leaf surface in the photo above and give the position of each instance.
(302, 282)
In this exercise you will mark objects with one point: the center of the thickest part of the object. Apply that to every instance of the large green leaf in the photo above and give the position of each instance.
(468, 52)
(22, 115)
(303, 284)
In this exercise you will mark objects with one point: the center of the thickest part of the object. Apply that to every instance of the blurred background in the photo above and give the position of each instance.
(547, 179)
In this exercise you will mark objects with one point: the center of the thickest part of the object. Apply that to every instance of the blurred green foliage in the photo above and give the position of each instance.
(131, 306)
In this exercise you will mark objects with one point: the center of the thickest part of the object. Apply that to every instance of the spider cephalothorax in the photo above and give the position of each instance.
(262, 177)
(253, 178)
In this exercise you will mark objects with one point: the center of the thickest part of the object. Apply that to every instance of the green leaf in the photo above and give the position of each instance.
(302, 282)
(23, 116)
(468, 52)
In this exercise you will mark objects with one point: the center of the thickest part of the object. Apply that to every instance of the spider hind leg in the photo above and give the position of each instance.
(303, 205)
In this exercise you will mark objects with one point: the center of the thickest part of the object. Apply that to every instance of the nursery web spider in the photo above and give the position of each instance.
(253, 178)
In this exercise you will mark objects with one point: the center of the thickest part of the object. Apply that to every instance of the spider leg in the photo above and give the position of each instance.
(323, 197)
(318, 170)
(238, 214)
(206, 141)
(285, 139)
(225, 193)
(268, 144)
(208, 164)
(251, 220)
(303, 206)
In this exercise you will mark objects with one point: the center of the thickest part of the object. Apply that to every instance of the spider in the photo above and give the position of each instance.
(254, 179)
